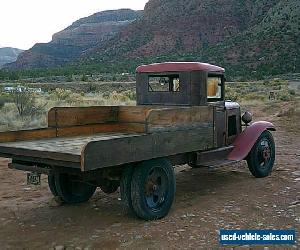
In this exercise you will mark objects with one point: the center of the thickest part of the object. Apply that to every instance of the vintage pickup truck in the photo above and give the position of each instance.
(181, 117)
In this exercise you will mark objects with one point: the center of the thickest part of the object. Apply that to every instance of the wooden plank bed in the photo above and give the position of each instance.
(59, 148)
(98, 137)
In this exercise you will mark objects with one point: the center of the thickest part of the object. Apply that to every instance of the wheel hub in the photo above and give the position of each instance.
(154, 189)
(266, 154)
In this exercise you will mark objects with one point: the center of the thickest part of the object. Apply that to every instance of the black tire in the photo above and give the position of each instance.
(51, 184)
(71, 190)
(125, 189)
(262, 156)
(153, 188)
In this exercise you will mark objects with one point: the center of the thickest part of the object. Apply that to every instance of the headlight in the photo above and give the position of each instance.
(247, 117)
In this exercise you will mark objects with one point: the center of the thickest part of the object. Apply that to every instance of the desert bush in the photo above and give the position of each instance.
(231, 93)
(118, 97)
(84, 78)
(253, 89)
(91, 87)
(24, 101)
(4, 99)
(2, 103)
(61, 94)
(130, 94)
(11, 120)
(278, 87)
(292, 92)
(75, 99)
(284, 96)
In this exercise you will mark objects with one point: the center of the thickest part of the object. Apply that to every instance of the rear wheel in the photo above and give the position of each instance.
(72, 190)
(262, 156)
(153, 189)
(125, 189)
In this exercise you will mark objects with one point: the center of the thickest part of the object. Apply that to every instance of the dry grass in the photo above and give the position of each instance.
(248, 94)
(11, 120)
(289, 115)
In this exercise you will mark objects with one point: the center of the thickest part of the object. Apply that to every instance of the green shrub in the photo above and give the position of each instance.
(84, 78)
(284, 96)
(61, 94)
(2, 103)
(277, 87)
(5, 99)
(130, 94)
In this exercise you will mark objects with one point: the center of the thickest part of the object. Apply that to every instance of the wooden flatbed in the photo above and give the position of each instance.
(61, 149)
(112, 136)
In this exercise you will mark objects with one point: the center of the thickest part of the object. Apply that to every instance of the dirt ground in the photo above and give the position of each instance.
(206, 200)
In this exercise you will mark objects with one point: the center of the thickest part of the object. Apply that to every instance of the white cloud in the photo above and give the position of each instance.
(26, 22)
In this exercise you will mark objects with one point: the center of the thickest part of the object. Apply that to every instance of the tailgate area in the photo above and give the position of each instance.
(64, 149)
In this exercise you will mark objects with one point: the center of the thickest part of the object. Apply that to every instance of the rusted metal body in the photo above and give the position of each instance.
(245, 141)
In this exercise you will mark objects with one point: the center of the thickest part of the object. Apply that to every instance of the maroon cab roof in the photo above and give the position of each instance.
(178, 67)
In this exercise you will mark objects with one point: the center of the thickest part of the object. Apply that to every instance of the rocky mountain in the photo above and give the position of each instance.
(245, 36)
(8, 55)
(70, 43)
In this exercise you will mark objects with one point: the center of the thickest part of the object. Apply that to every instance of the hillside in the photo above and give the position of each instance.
(69, 44)
(8, 55)
(245, 36)
(253, 38)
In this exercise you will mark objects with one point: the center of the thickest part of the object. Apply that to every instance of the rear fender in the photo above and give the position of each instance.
(246, 140)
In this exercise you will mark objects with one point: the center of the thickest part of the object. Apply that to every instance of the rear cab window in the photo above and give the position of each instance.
(167, 83)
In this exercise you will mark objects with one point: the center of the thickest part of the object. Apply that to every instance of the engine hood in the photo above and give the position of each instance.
(232, 105)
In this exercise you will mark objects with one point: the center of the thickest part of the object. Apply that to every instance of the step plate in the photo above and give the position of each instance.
(214, 157)
(217, 163)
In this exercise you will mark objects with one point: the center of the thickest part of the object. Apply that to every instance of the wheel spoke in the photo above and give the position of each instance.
(155, 189)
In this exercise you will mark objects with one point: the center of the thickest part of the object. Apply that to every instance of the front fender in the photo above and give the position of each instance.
(246, 140)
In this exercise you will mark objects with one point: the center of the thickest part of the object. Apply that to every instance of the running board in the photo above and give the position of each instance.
(214, 158)
(219, 163)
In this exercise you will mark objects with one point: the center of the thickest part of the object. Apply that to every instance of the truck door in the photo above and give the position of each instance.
(220, 126)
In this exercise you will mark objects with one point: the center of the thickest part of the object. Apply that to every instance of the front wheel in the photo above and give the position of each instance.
(71, 189)
(153, 187)
(262, 156)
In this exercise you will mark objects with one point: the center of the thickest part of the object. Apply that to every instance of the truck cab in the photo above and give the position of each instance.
(190, 84)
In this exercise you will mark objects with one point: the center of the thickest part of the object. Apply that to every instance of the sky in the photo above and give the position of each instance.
(26, 22)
